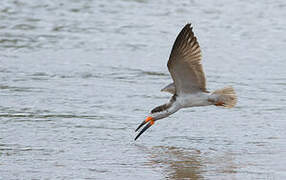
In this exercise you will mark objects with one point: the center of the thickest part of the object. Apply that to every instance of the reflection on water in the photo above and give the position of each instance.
(76, 78)
(180, 163)
(177, 163)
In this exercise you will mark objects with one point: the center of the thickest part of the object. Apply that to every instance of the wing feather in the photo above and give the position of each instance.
(185, 63)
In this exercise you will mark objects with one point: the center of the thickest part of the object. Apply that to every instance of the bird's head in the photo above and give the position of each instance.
(157, 113)
(150, 120)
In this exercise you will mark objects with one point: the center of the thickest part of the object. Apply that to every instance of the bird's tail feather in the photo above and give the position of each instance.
(225, 97)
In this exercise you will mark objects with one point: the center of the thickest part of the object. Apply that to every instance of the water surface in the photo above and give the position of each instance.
(77, 77)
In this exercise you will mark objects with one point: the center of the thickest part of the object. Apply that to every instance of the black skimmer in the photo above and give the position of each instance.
(189, 86)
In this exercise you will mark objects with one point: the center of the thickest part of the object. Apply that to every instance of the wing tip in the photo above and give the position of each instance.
(189, 24)
(188, 28)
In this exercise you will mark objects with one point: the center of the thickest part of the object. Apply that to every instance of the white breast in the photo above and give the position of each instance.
(191, 100)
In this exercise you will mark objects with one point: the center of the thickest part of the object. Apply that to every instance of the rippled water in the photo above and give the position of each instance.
(77, 77)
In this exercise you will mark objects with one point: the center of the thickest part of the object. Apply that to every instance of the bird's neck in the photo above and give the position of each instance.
(166, 109)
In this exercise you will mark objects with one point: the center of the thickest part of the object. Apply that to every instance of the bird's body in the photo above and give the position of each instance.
(190, 99)
(196, 99)
(189, 86)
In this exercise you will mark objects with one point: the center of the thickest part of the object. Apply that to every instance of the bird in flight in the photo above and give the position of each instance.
(189, 86)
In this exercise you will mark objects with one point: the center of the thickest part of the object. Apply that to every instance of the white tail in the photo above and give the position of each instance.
(225, 97)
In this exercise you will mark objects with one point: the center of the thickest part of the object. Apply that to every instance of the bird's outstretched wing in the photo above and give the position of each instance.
(185, 63)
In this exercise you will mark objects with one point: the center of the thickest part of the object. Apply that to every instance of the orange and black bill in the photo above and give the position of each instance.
(143, 130)
(151, 122)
